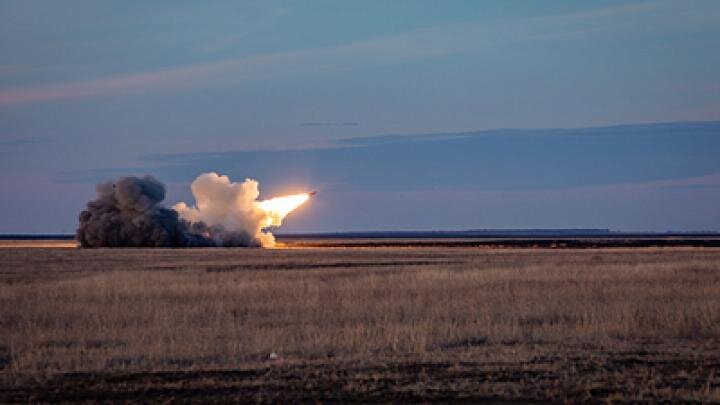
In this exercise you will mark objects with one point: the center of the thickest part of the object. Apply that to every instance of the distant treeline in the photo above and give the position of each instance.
(499, 233)
(37, 236)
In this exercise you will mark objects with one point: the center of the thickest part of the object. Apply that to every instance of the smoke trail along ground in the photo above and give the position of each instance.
(128, 213)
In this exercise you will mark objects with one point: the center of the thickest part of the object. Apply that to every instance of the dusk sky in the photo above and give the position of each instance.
(404, 115)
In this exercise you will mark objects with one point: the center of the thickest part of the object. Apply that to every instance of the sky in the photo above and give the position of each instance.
(404, 115)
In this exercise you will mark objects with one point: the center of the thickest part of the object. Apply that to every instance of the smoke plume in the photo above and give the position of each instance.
(128, 213)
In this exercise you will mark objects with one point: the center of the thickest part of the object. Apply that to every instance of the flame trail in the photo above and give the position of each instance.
(279, 207)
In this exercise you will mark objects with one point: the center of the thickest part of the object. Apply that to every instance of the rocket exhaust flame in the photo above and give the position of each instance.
(278, 208)
(226, 213)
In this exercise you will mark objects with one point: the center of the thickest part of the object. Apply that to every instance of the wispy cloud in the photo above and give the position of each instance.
(711, 180)
(13, 141)
(9, 69)
(339, 57)
(329, 124)
(416, 45)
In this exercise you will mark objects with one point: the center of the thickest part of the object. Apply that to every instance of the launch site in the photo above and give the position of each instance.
(371, 202)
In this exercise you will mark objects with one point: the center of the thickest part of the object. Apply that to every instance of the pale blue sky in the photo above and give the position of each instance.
(90, 90)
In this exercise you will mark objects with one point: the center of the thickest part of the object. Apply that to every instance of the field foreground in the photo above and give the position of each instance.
(359, 323)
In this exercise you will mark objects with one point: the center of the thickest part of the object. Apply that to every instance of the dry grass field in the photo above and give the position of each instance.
(359, 323)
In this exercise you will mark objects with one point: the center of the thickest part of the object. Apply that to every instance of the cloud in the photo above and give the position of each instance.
(330, 124)
(9, 69)
(22, 141)
(710, 180)
(388, 50)
(649, 155)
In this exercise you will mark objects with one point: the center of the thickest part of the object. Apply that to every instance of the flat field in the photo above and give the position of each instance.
(359, 323)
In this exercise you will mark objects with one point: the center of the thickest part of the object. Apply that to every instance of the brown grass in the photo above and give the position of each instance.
(122, 310)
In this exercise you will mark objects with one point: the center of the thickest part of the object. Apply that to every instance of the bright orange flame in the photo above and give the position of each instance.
(277, 208)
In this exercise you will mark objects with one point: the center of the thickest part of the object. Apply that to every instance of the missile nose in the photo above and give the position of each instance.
(312, 193)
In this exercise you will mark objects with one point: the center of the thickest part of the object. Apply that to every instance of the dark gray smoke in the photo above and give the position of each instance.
(127, 213)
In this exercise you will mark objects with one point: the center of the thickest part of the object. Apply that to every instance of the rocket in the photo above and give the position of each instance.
(312, 193)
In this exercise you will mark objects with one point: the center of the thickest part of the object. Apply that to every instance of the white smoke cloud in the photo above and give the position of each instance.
(235, 207)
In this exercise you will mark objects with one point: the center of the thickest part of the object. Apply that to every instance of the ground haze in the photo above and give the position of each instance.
(357, 322)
